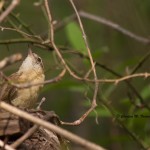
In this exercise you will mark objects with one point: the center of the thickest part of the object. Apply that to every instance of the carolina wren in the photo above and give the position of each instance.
(31, 71)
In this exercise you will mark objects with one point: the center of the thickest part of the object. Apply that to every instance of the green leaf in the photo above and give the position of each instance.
(146, 92)
(75, 37)
(102, 112)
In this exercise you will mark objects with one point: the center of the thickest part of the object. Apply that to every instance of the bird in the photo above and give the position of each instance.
(30, 72)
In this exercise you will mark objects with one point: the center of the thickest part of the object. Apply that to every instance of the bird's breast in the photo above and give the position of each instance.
(27, 97)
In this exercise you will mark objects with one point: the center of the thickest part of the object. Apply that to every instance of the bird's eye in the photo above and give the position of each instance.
(39, 59)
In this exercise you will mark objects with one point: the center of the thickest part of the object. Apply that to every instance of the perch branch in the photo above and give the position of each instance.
(68, 135)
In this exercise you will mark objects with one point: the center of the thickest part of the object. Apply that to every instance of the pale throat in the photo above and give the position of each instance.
(27, 65)
(30, 71)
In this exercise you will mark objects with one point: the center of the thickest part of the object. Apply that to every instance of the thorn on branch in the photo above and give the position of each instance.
(40, 103)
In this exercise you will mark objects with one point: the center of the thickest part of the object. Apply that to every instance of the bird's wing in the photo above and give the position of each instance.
(7, 91)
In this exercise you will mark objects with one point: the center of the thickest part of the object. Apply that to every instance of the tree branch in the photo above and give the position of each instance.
(5, 146)
(68, 135)
(9, 9)
(115, 26)
(10, 60)
(25, 136)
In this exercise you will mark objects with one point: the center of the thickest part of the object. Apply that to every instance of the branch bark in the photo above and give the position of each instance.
(66, 134)
(9, 9)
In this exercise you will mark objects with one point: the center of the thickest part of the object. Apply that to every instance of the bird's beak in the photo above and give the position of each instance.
(30, 53)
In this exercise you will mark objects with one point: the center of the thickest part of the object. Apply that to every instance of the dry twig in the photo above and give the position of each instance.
(105, 22)
(51, 30)
(10, 60)
(51, 33)
(24, 34)
(66, 134)
(94, 104)
(114, 26)
(124, 78)
(40, 103)
(24, 137)
(13, 4)
(116, 81)
(5, 146)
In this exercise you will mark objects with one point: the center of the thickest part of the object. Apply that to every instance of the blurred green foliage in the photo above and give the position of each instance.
(116, 53)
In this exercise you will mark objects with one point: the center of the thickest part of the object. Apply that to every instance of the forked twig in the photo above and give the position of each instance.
(131, 87)
(51, 30)
(93, 104)
(51, 33)
(66, 134)
(24, 34)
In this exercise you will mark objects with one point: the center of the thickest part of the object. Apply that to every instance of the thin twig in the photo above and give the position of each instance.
(66, 134)
(36, 42)
(13, 4)
(131, 98)
(114, 26)
(120, 76)
(22, 23)
(93, 105)
(121, 123)
(10, 60)
(51, 30)
(40, 103)
(14, 26)
(140, 63)
(24, 34)
(116, 81)
(106, 22)
(88, 73)
(5, 146)
(24, 137)
(51, 33)
(28, 85)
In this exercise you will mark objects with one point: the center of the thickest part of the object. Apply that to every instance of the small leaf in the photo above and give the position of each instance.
(75, 37)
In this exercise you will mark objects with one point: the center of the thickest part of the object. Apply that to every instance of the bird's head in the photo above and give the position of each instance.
(32, 63)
